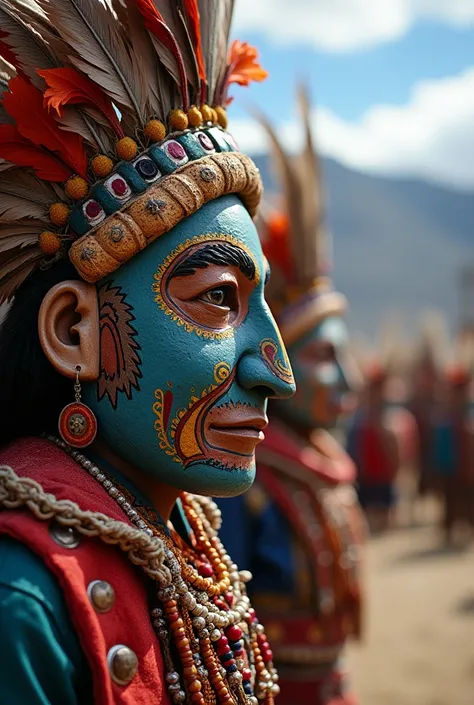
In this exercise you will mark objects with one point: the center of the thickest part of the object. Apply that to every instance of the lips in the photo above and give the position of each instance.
(235, 429)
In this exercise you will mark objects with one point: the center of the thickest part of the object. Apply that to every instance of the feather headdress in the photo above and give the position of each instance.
(294, 239)
(106, 103)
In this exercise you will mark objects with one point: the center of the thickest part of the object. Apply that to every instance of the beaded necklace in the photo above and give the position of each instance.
(215, 650)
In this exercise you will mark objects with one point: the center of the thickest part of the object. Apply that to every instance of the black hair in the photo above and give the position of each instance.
(221, 253)
(32, 392)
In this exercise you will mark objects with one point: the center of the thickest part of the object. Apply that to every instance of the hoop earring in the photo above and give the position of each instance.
(77, 423)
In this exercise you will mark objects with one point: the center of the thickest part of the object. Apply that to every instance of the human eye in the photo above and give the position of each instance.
(221, 296)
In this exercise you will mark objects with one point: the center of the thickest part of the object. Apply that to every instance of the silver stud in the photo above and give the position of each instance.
(65, 536)
(123, 664)
(101, 594)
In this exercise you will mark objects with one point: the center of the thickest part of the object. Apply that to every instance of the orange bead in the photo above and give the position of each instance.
(126, 148)
(102, 165)
(198, 699)
(59, 214)
(214, 116)
(77, 188)
(221, 116)
(49, 242)
(194, 117)
(206, 113)
(190, 671)
(155, 130)
(178, 120)
(195, 686)
(176, 624)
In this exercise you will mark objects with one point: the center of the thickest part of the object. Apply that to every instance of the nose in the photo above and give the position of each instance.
(265, 366)
(351, 377)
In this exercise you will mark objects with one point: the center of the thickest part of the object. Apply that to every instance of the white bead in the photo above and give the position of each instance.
(199, 623)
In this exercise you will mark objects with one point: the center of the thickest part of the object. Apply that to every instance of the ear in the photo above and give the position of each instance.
(68, 327)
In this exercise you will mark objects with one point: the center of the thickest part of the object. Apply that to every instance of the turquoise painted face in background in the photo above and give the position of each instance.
(319, 364)
(190, 354)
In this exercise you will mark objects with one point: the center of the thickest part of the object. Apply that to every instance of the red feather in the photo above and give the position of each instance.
(192, 10)
(18, 150)
(155, 24)
(24, 103)
(67, 86)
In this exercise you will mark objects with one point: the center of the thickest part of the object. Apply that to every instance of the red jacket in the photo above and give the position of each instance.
(128, 622)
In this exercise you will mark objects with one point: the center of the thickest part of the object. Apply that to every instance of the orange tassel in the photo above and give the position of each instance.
(24, 103)
(18, 150)
(243, 65)
(69, 87)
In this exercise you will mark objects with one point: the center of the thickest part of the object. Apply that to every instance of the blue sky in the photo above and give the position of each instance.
(393, 83)
(350, 83)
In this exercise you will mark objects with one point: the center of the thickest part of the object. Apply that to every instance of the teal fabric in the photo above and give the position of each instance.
(42, 662)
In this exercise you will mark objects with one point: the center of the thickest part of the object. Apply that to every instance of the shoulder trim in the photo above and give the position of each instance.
(142, 550)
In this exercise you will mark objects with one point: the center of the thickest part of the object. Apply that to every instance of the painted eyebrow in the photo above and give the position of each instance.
(221, 253)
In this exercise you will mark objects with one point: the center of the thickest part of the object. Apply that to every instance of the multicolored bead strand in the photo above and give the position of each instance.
(215, 651)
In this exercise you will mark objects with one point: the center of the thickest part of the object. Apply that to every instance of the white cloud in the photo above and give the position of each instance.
(431, 137)
(344, 25)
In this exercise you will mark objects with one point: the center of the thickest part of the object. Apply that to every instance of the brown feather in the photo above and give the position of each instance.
(292, 192)
(13, 208)
(143, 55)
(26, 43)
(12, 260)
(308, 167)
(9, 286)
(302, 191)
(172, 19)
(91, 126)
(98, 47)
(215, 17)
(24, 240)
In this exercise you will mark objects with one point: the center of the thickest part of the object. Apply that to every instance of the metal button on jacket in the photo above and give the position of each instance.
(101, 594)
(65, 536)
(123, 664)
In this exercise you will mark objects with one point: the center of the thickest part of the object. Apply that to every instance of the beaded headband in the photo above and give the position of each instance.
(107, 134)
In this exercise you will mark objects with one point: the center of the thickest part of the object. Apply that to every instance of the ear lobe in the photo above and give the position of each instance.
(68, 327)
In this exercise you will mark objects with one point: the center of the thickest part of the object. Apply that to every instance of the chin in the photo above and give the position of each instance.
(216, 479)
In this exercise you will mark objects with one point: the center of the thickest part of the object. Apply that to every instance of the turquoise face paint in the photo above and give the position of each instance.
(318, 362)
(190, 354)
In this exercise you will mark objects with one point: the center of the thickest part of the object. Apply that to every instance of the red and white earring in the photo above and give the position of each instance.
(77, 423)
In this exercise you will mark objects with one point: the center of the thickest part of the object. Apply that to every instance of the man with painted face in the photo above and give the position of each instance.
(304, 526)
(134, 357)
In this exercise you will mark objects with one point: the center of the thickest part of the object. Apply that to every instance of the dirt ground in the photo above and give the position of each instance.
(419, 643)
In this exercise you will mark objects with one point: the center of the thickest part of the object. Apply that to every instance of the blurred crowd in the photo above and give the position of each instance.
(411, 436)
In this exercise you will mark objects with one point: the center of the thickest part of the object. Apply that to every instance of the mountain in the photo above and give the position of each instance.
(398, 244)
